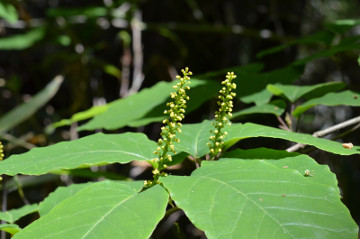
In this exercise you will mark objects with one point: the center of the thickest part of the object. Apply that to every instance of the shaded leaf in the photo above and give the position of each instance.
(349, 98)
(276, 107)
(294, 92)
(10, 228)
(103, 210)
(25, 110)
(343, 25)
(89, 11)
(137, 109)
(97, 149)
(62, 193)
(13, 215)
(22, 41)
(234, 198)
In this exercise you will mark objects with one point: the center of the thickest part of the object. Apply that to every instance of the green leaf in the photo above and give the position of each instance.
(103, 210)
(283, 159)
(238, 132)
(234, 198)
(276, 107)
(358, 60)
(8, 12)
(294, 92)
(343, 25)
(25, 110)
(252, 86)
(10, 228)
(62, 193)
(13, 215)
(138, 109)
(348, 97)
(97, 149)
(90, 11)
(22, 41)
(194, 137)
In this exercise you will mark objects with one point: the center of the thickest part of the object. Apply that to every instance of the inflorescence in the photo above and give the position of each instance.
(1, 151)
(222, 116)
(171, 126)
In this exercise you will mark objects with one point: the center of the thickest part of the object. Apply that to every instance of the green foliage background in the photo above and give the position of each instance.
(90, 44)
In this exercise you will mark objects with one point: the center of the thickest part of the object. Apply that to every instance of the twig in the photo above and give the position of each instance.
(324, 132)
(136, 26)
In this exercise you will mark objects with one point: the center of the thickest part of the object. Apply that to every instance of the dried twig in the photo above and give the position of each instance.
(324, 132)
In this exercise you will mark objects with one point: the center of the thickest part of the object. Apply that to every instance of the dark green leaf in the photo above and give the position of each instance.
(276, 107)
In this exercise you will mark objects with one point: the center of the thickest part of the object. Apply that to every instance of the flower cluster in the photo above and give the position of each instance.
(171, 126)
(1, 152)
(222, 116)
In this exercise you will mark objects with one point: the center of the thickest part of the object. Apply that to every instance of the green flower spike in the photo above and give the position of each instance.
(222, 116)
(1, 151)
(171, 127)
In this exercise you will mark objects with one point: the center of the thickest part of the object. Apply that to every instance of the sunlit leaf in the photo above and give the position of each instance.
(62, 193)
(261, 200)
(103, 210)
(10, 228)
(97, 149)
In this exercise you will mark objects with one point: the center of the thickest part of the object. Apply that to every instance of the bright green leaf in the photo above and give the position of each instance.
(282, 159)
(13, 215)
(62, 193)
(349, 98)
(24, 111)
(294, 92)
(234, 198)
(97, 149)
(10, 228)
(106, 209)
(22, 41)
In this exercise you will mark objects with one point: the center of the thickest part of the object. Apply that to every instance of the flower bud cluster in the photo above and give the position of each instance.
(1, 151)
(223, 115)
(176, 112)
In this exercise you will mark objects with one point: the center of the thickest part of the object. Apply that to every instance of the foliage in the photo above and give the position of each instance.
(231, 193)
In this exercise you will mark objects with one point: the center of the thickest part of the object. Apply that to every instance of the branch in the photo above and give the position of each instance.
(324, 132)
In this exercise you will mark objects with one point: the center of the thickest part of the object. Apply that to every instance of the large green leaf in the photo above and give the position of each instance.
(62, 193)
(13, 215)
(234, 198)
(194, 137)
(294, 92)
(283, 159)
(25, 110)
(348, 97)
(148, 105)
(22, 41)
(106, 209)
(97, 149)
